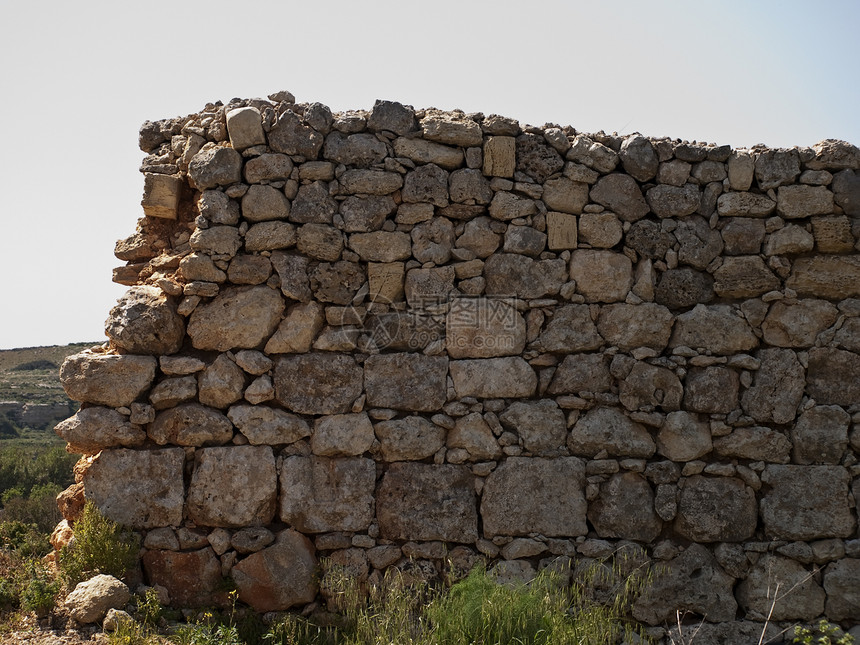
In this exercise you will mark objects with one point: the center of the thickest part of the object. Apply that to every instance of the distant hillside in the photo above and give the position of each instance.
(30, 390)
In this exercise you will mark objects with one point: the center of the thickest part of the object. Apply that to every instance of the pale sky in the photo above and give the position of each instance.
(78, 79)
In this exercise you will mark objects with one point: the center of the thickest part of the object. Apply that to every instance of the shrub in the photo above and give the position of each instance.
(40, 591)
(39, 508)
(822, 634)
(99, 546)
(26, 540)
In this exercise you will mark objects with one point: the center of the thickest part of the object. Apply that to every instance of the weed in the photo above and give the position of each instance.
(99, 546)
(822, 634)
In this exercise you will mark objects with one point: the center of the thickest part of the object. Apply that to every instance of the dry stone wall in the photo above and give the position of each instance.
(418, 338)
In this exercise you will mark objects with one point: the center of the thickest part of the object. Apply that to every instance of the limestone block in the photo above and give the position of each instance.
(690, 582)
(358, 150)
(611, 430)
(292, 136)
(507, 206)
(843, 596)
(161, 194)
(473, 434)
(832, 154)
(525, 240)
(91, 599)
(429, 152)
(776, 168)
(700, 518)
(772, 574)
(833, 376)
(320, 241)
(336, 282)
(717, 328)
(385, 281)
(233, 486)
(479, 238)
(622, 195)
(511, 274)
(777, 388)
(391, 116)
(711, 389)
(451, 130)
(500, 156)
(426, 287)
(683, 437)
(581, 373)
(493, 378)
(366, 214)
(743, 236)
(742, 204)
(406, 381)
(107, 379)
(741, 169)
(700, 244)
(540, 424)
(221, 383)
(298, 329)
(238, 318)
(263, 425)
(789, 240)
(280, 576)
(521, 497)
(833, 234)
(342, 435)
(263, 203)
(565, 196)
(625, 509)
(319, 494)
(141, 489)
(631, 326)
(674, 201)
(215, 166)
(797, 323)
(191, 424)
(744, 276)
(245, 128)
(483, 328)
(268, 167)
(190, 577)
(411, 438)
(469, 186)
(268, 236)
(601, 276)
(537, 159)
(144, 321)
(370, 182)
(820, 435)
(639, 157)
(806, 502)
(216, 240)
(600, 230)
(173, 391)
(648, 386)
(90, 430)
(199, 266)
(794, 202)
(423, 502)
(317, 383)
(826, 276)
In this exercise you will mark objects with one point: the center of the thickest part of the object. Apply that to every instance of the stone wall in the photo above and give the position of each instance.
(417, 338)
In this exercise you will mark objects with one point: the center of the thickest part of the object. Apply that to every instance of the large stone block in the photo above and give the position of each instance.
(649, 386)
(232, 486)
(512, 274)
(611, 430)
(683, 437)
(826, 276)
(215, 166)
(833, 376)
(92, 429)
(245, 128)
(191, 424)
(621, 194)
(843, 592)
(161, 194)
(581, 373)
(527, 495)
(571, 329)
(263, 425)
(744, 276)
(793, 202)
(141, 489)
(409, 438)
(778, 588)
(540, 424)
(493, 378)
(716, 509)
(625, 509)
(427, 502)
(238, 318)
(820, 435)
(631, 326)
(777, 388)
(483, 328)
(500, 156)
(107, 379)
(318, 383)
(191, 578)
(755, 443)
(319, 494)
(798, 323)
(711, 389)
(280, 576)
(806, 502)
(406, 381)
(601, 276)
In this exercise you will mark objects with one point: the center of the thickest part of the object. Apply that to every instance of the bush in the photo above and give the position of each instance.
(8, 427)
(40, 364)
(40, 591)
(39, 508)
(99, 546)
(26, 540)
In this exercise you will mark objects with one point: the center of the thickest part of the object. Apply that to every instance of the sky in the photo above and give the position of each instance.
(78, 79)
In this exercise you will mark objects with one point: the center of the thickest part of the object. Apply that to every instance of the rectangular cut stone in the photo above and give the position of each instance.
(527, 495)
(161, 195)
(500, 156)
(406, 381)
(141, 489)
(320, 495)
(423, 502)
(385, 280)
(826, 276)
(493, 378)
(561, 231)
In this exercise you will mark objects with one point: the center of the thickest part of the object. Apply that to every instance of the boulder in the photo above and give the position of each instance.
(756, 443)
(630, 326)
(280, 576)
(290, 135)
(512, 274)
(797, 323)
(107, 379)
(214, 166)
(366, 214)
(342, 435)
(571, 329)
(232, 486)
(144, 321)
(712, 389)
(683, 437)
(621, 194)
(90, 600)
(674, 201)
(601, 276)
(140, 489)
(221, 383)
(820, 435)
(833, 376)
(649, 386)
(319, 495)
(473, 434)
(639, 158)
(581, 373)
(520, 497)
(423, 502)
(264, 203)
(297, 331)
